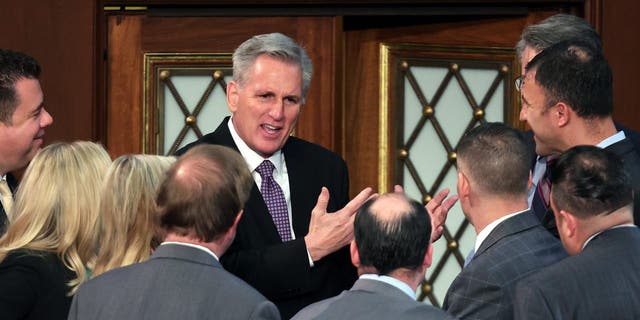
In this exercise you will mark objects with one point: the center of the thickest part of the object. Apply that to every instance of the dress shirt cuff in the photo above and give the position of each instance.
(310, 260)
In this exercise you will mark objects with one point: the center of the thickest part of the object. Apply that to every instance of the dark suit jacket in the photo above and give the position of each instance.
(517, 247)
(602, 282)
(177, 282)
(370, 300)
(33, 285)
(4, 221)
(279, 270)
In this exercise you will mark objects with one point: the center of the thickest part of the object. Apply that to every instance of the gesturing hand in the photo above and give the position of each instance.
(438, 209)
(329, 232)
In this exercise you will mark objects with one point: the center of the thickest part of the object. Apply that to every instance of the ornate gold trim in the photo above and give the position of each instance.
(383, 137)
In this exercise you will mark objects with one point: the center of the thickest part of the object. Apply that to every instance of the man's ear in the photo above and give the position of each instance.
(563, 114)
(355, 255)
(530, 180)
(232, 96)
(463, 185)
(569, 223)
(426, 263)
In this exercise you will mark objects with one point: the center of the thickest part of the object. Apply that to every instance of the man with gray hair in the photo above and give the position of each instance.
(287, 246)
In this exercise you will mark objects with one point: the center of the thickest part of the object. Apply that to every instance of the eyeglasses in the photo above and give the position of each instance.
(519, 81)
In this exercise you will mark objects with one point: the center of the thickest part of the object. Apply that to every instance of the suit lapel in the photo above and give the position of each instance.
(516, 224)
(300, 188)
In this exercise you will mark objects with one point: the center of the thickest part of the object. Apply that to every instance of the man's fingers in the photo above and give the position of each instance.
(323, 201)
(357, 201)
(398, 188)
(449, 202)
(440, 196)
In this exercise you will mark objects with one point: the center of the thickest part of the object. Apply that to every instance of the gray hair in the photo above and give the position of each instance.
(558, 28)
(275, 45)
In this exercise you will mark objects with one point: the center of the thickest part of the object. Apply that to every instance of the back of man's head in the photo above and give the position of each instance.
(575, 73)
(392, 232)
(203, 192)
(13, 67)
(555, 29)
(589, 181)
(496, 158)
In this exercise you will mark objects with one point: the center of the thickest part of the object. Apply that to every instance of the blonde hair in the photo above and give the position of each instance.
(57, 203)
(128, 222)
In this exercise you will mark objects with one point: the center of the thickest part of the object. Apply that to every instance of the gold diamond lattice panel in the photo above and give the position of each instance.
(185, 97)
(431, 97)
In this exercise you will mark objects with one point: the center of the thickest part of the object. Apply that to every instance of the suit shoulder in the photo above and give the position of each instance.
(308, 149)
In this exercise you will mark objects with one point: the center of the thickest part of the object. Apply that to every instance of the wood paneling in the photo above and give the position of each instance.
(61, 36)
(620, 30)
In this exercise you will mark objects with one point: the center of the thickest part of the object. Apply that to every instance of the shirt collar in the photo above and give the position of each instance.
(391, 281)
(482, 235)
(619, 136)
(597, 233)
(252, 158)
(192, 245)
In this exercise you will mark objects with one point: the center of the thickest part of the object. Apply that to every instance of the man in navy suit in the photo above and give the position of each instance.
(23, 119)
(492, 187)
(392, 250)
(567, 99)
(534, 39)
(288, 246)
(592, 200)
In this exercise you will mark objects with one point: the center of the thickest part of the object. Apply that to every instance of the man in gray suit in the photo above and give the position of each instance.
(592, 201)
(199, 206)
(392, 252)
(511, 243)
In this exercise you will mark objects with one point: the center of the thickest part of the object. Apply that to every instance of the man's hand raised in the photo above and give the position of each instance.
(438, 209)
(329, 232)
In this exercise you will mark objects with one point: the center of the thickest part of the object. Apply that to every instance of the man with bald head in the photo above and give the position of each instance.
(392, 251)
(492, 185)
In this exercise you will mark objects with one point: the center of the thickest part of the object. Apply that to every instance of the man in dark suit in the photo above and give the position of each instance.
(288, 246)
(567, 99)
(492, 187)
(22, 121)
(392, 250)
(534, 39)
(592, 201)
(199, 207)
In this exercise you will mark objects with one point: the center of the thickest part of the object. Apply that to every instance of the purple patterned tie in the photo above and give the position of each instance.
(274, 199)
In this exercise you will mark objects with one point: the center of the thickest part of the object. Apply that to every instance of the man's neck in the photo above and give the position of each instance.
(213, 246)
(492, 208)
(590, 132)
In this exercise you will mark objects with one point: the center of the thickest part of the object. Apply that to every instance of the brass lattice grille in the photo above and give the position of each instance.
(191, 118)
(411, 68)
(162, 93)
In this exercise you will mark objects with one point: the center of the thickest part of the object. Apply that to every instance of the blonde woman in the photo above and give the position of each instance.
(51, 242)
(128, 224)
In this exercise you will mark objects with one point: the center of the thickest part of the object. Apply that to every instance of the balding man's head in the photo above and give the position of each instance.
(392, 232)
